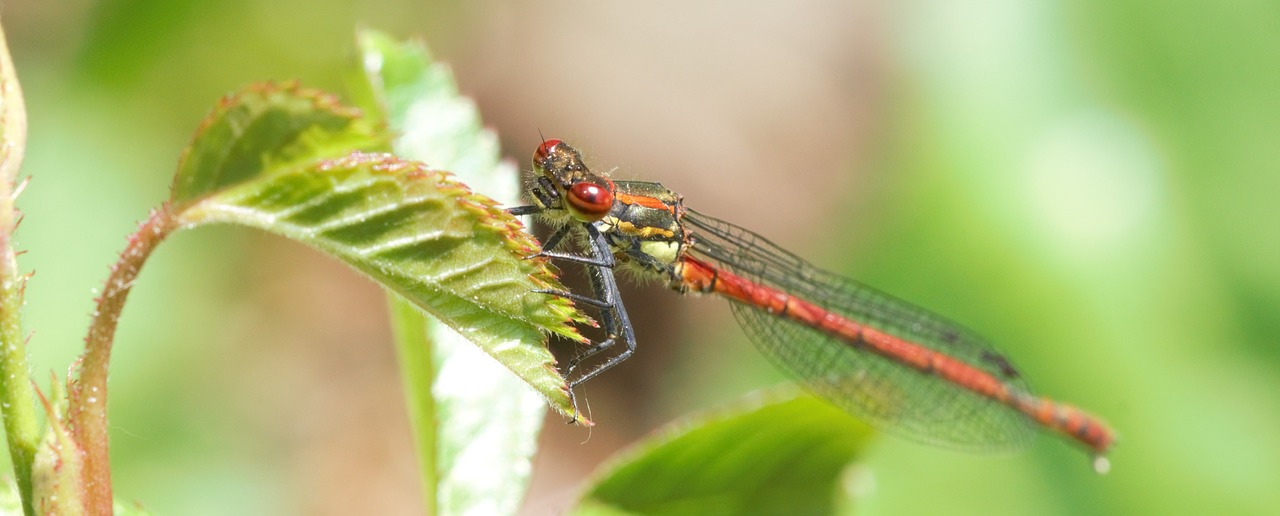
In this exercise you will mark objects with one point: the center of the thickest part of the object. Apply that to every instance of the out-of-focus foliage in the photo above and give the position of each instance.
(776, 454)
(1090, 185)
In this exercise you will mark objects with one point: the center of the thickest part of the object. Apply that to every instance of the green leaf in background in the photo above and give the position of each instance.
(783, 453)
(476, 426)
(433, 122)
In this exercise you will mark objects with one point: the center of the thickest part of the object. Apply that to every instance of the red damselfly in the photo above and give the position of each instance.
(900, 367)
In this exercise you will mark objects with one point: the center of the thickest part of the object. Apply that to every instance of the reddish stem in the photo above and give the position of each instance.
(87, 410)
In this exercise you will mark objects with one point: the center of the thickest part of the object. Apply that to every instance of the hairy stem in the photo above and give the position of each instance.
(87, 409)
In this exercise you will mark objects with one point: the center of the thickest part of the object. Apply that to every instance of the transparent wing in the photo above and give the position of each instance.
(890, 395)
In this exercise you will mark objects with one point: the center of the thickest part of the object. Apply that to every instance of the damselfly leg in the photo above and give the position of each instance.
(606, 298)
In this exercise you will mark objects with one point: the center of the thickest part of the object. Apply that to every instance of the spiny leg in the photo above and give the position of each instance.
(614, 318)
(606, 297)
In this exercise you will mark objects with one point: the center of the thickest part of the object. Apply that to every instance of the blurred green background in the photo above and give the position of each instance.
(1092, 185)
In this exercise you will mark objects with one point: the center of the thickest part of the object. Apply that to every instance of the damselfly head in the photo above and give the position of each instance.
(559, 162)
(587, 196)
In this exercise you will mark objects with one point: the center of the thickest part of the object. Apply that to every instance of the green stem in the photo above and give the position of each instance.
(17, 396)
(417, 369)
(87, 408)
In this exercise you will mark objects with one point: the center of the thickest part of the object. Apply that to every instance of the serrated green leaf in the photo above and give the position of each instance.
(785, 454)
(476, 446)
(268, 127)
(419, 233)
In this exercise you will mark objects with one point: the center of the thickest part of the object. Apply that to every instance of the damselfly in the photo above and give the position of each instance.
(898, 366)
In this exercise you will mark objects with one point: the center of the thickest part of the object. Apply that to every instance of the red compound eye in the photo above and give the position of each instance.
(589, 200)
(544, 150)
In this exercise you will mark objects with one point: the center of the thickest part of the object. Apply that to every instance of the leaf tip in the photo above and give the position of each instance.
(304, 122)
